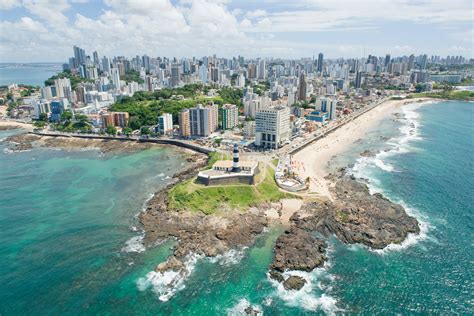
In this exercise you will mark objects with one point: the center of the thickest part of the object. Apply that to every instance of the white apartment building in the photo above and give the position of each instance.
(165, 124)
(272, 127)
(203, 120)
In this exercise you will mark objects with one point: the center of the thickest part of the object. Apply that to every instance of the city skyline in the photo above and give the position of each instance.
(36, 31)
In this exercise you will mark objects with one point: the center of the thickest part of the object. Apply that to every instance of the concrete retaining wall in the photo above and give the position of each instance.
(174, 142)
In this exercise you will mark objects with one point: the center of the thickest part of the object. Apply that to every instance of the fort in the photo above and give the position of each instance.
(230, 171)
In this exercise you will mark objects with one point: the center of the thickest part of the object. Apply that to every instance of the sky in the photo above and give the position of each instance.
(46, 30)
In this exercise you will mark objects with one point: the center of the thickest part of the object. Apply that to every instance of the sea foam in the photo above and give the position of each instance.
(230, 257)
(166, 284)
(241, 306)
(399, 145)
(134, 244)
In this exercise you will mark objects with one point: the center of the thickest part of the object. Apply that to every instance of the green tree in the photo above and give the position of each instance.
(127, 131)
(144, 130)
(43, 117)
(66, 116)
(111, 130)
(39, 124)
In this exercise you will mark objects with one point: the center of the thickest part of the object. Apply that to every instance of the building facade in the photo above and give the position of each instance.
(203, 120)
(272, 127)
(165, 124)
(229, 114)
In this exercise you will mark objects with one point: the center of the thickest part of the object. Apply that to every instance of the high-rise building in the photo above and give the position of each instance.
(57, 108)
(117, 119)
(229, 114)
(115, 76)
(411, 62)
(302, 88)
(184, 124)
(165, 124)
(203, 119)
(387, 60)
(105, 64)
(358, 80)
(252, 71)
(261, 71)
(79, 57)
(63, 87)
(174, 75)
(423, 61)
(272, 127)
(96, 58)
(320, 62)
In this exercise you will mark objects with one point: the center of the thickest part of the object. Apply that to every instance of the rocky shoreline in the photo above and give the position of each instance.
(355, 216)
(197, 234)
(25, 141)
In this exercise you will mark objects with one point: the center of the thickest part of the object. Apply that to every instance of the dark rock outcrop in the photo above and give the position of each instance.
(294, 283)
(298, 249)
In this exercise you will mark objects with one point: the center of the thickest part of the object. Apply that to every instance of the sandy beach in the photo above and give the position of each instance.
(14, 124)
(313, 160)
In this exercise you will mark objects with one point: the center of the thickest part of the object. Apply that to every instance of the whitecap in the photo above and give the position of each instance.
(166, 284)
(161, 175)
(241, 306)
(134, 244)
(230, 257)
(306, 297)
(411, 238)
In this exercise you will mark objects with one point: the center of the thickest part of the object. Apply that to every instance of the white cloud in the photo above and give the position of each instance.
(198, 27)
(8, 4)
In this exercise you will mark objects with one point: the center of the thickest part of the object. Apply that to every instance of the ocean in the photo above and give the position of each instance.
(31, 73)
(68, 247)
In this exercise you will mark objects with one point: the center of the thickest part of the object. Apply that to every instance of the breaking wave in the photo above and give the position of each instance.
(166, 284)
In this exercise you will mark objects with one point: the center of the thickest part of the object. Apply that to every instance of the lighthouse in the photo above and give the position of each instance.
(235, 154)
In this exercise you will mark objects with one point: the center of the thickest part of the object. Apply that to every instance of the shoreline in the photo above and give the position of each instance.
(313, 161)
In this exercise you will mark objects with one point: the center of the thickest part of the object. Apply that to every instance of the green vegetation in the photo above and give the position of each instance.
(70, 123)
(145, 107)
(446, 94)
(132, 75)
(198, 198)
(343, 216)
(111, 130)
(275, 162)
(75, 80)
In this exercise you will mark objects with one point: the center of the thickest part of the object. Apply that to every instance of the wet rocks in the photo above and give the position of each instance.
(298, 249)
(294, 282)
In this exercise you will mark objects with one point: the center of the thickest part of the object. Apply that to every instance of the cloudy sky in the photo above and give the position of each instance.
(46, 30)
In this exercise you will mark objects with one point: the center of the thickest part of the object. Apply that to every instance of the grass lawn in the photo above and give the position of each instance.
(198, 198)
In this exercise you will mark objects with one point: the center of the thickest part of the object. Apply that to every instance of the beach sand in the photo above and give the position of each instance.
(15, 124)
(313, 161)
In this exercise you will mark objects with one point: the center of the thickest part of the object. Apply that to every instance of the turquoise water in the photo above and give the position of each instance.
(32, 74)
(65, 219)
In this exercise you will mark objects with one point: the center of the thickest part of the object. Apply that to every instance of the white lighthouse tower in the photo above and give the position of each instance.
(235, 154)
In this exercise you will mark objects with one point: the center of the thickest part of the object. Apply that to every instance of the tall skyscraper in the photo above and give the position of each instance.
(387, 60)
(96, 58)
(79, 56)
(320, 62)
(358, 80)
(411, 62)
(261, 71)
(302, 88)
(174, 75)
(115, 76)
